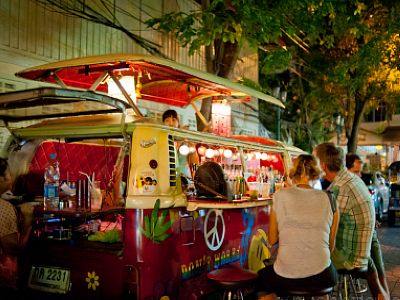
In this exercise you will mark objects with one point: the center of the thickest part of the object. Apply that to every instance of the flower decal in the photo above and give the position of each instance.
(93, 280)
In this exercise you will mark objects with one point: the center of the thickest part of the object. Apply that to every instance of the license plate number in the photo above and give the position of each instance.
(49, 279)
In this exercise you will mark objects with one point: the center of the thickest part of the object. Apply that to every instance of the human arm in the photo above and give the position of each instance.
(12, 240)
(334, 227)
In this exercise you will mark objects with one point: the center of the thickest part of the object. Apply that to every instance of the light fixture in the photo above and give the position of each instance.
(210, 153)
(202, 150)
(184, 149)
(250, 156)
(258, 155)
(235, 157)
(264, 156)
(192, 149)
(127, 82)
(228, 153)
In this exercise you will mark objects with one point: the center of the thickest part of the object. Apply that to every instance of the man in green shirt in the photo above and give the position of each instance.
(357, 216)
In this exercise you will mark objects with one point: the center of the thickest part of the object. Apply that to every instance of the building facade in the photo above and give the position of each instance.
(32, 34)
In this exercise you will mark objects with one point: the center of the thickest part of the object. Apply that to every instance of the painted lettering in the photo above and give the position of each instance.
(207, 263)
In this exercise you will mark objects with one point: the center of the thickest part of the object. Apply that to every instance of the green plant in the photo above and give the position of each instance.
(155, 228)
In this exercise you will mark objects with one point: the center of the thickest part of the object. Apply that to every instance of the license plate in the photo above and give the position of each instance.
(49, 279)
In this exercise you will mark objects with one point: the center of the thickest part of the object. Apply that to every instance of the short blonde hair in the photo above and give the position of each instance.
(304, 165)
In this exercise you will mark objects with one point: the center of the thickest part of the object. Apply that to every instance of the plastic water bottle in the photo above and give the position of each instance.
(51, 183)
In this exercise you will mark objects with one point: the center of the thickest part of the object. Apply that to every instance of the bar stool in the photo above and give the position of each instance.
(306, 293)
(232, 280)
(351, 276)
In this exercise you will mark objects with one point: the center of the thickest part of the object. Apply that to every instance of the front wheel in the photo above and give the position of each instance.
(391, 217)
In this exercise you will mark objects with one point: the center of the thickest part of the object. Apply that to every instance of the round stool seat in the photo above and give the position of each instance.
(307, 292)
(355, 273)
(231, 276)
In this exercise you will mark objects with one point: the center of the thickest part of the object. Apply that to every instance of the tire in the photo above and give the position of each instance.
(391, 218)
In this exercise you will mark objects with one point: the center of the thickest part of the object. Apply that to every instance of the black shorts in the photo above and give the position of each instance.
(270, 282)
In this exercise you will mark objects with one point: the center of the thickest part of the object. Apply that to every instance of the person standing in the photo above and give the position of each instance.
(304, 221)
(357, 217)
(170, 118)
(354, 164)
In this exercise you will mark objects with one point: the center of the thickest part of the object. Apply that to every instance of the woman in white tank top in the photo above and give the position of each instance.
(303, 221)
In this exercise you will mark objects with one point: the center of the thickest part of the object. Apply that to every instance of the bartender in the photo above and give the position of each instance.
(170, 118)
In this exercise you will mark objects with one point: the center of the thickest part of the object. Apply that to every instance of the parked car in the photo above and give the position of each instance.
(394, 201)
(379, 189)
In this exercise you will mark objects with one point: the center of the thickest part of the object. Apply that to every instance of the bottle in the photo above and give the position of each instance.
(51, 183)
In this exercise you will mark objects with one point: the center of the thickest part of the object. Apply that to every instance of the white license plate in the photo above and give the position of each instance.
(49, 279)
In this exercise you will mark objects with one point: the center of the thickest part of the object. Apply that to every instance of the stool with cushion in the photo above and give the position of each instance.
(232, 280)
(349, 277)
(306, 293)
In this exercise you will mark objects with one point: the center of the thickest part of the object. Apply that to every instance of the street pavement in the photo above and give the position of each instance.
(389, 237)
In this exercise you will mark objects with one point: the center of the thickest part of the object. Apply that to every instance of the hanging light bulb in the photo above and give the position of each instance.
(258, 155)
(228, 153)
(264, 156)
(250, 156)
(202, 150)
(192, 149)
(184, 149)
(210, 153)
(235, 156)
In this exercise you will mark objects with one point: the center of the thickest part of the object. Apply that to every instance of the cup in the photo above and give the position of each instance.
(265, 189)
(95, 196)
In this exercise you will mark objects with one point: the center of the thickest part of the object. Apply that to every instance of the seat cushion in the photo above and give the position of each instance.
(232, 275)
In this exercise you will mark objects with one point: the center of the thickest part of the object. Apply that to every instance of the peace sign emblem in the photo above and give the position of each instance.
(214, 232)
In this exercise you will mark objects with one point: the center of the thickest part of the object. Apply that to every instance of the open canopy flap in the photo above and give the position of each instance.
(48, 102)
(155, 79)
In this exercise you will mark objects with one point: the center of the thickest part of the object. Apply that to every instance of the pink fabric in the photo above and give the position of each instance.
(75, 157)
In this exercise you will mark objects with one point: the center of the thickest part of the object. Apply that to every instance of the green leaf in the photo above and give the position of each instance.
(155, 229)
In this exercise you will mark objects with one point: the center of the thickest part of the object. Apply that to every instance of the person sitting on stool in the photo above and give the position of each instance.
(304, 221)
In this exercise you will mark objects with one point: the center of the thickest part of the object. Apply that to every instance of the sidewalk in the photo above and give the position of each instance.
(389, 238)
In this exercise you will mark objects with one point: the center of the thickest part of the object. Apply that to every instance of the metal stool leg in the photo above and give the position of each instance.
(346, 296)
(339, 288)
(353, 286)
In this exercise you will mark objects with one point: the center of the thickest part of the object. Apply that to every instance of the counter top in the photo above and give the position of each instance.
(245, 202)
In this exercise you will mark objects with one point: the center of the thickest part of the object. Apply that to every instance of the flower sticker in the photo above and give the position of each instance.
(92, 280)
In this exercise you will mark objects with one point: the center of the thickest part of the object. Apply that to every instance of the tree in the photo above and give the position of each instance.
(345, 60)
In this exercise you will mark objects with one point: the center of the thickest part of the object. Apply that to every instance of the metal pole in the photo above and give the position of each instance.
(278, 123)
(338, 135)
